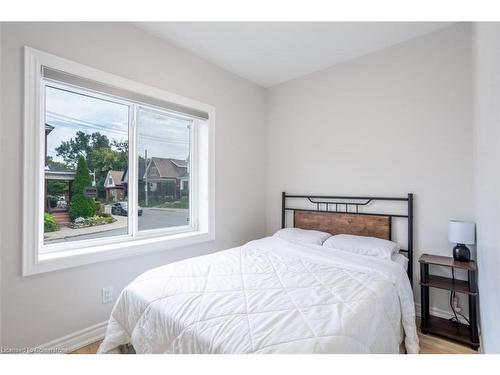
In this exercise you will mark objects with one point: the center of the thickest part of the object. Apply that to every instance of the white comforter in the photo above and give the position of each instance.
(268, 296)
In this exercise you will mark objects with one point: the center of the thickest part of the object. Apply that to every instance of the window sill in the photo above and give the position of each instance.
(57, 260)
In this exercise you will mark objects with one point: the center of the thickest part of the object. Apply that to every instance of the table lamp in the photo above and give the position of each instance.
(462, 233)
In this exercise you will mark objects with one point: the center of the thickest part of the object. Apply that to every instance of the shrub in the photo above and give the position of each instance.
(81, 222)
(82, 177)
(52, 201)
(98, 220)
(80, 204)
(49, 223)
(98, 207)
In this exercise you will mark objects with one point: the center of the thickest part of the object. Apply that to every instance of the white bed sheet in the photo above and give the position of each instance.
(268, 296)
(400, 259)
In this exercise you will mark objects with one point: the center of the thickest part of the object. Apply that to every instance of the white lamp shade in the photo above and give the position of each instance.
(463, 232)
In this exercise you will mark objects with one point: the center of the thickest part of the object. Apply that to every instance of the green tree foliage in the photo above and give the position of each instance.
(82, 177)
(52, 162)
(82, 206)
(71, 150)
(102, 155)
(104, 159)
(56, 187)
(49, 223)
(122, 151)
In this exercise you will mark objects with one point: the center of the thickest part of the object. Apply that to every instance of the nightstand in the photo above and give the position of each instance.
(463, 333)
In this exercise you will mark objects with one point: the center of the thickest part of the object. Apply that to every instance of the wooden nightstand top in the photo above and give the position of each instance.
(447, 262)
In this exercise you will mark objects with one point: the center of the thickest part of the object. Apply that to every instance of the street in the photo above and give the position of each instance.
(152, 218)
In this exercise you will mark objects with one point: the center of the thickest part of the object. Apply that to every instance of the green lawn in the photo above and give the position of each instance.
(159, 204)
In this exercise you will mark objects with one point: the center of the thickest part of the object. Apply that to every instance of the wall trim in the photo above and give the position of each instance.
(38, 257)
(76, 340)
(434, 311)
(447, 315)
(1, 173)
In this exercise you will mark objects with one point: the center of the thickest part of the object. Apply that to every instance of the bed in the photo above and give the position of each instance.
(277, 296)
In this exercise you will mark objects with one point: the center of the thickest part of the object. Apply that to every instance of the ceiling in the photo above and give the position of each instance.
(268, 53)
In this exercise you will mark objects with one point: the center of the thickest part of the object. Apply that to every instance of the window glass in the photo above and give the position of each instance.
(86, 158)
(163, 143)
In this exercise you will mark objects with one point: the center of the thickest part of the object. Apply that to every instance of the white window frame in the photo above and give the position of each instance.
(71, 254)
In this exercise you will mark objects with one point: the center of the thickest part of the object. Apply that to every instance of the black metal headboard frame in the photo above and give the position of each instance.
(350, 205)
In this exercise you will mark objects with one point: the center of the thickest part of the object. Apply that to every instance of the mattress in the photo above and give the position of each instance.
(268, 296)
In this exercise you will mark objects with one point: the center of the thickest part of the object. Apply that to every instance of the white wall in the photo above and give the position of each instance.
(487, 177)
(1, 170)
(396, 121)
(40, 308)
(389, 123)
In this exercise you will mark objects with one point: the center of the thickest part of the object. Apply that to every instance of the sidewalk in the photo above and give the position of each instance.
(165, 209)
(63, 232)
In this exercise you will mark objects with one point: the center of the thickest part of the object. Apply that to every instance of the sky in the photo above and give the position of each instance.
(162, 135)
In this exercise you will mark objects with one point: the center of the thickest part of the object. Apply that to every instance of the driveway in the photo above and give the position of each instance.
(152, 218)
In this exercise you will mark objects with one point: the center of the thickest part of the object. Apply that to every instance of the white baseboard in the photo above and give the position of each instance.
(446, 315)
(76, 340)
(434, 311)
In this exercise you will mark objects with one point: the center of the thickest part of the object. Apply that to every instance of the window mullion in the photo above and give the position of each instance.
(193, 181)
(133, 171)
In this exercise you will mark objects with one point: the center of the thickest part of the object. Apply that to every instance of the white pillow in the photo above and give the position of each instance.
(312, 237)
(363, 245)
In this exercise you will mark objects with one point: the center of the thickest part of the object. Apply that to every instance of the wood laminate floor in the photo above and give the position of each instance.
(429, 344)
(89, 349)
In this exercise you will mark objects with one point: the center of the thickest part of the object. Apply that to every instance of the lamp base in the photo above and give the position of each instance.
(461, 253)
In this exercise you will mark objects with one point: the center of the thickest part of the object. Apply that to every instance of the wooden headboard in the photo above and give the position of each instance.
(345, 215)
(342, 223)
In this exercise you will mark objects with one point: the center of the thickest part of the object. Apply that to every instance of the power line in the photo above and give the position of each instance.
(110, 129)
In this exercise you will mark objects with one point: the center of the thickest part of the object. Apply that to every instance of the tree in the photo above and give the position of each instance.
(71, 150)
(80, 204)
(99, 141)
(101, 154)
(82, 144)
(104, 159)
(122, 151)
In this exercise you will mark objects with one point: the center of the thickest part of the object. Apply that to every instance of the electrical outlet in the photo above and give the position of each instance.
(107, 294)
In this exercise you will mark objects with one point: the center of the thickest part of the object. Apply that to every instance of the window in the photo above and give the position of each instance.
(86, 138)
(164, 157)
(112, 167)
